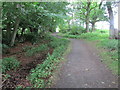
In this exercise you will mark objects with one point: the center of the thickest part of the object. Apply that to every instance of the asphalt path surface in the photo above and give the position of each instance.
(84, 69)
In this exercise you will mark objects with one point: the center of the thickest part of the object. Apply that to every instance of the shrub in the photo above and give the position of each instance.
(9, 63)
(76, 30)
(32, 37)
(34, 50)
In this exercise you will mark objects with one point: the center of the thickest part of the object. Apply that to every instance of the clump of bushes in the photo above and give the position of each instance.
(32, 37)
(76, 30)
(9, 63)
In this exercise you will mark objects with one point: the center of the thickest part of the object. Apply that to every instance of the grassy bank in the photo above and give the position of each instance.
(40, 76)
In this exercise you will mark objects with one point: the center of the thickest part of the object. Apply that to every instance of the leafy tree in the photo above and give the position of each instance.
(90, 12)
(36, 18)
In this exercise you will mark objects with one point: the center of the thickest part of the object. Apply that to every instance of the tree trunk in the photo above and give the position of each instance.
(15, 32)
(87, 25)
(111, 18)
(87, 15)
(93, 26)
(8, 32)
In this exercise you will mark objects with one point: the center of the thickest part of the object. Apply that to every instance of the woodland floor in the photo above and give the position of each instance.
(18, 77)
(84, 69)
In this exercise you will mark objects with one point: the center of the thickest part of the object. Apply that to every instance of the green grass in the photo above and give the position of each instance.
(9, 63)
(111, 62)
(39, 76)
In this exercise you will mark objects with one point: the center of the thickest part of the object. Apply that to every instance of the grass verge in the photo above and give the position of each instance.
(40, 76)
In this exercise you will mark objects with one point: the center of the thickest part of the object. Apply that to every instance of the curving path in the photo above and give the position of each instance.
(84, 69)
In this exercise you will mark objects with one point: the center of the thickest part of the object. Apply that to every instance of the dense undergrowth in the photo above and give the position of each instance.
(108, 46)
(39, 76)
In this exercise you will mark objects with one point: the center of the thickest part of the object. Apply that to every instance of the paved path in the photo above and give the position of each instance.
(84, 69)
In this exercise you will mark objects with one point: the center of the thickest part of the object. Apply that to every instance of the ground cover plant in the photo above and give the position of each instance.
(39, 76)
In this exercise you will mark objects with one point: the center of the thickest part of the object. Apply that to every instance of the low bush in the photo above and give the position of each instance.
(34, 50)
(33, 37)
(9, 63)
(76, 30)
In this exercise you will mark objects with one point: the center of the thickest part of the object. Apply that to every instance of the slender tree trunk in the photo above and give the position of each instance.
(87, 16)
(87, 25)
(93, 26)
(15, 32)
(111, 18)
(8, 32)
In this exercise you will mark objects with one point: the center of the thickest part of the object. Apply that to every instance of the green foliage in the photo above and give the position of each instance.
(9, 63)
(57, 42)
(34, 50)
(4, 48)
(32, 37)
(76, 30)
(110, 61)
(5, 76)
(27, 48)
(34, 17)
(42, 72)
(70, 36)
(93, 36)
(110, 44)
